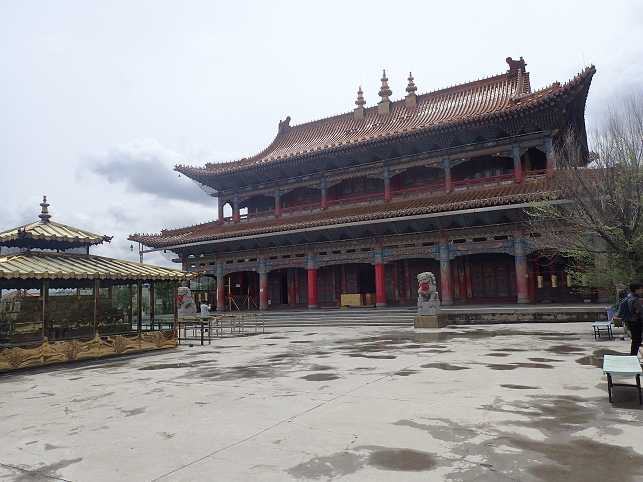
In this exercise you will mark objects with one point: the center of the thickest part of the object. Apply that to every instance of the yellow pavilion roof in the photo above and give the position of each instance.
(44, 265)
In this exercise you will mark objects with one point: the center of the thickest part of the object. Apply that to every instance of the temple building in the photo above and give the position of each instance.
(361, 202)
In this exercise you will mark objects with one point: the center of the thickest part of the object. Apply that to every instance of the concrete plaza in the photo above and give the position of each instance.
(522, 402)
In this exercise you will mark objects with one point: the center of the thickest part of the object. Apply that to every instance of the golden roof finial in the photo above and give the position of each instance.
(385, 91)
(44, 215)
(360, 98)
(411, 88)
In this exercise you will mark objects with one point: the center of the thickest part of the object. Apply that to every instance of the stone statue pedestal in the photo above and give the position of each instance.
(429, 321)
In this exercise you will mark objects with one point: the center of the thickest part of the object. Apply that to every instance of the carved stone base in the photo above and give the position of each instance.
(436, 321)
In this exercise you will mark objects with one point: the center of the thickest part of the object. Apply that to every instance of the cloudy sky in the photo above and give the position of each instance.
(100, 99)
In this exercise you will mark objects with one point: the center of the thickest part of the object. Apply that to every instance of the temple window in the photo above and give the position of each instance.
(534, 160)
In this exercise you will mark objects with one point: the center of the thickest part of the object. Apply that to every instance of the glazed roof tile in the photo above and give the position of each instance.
(43, 265)
(50, 231)
(505, 194)
(480, 100)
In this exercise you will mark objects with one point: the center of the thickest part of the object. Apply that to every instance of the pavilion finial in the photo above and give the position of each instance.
(383, 107)
(44, 215)
(411, 98)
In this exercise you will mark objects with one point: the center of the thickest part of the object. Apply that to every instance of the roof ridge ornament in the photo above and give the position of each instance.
(360, 98)
(284, 126)
(411, 98)
(44, 215)
(383, 107)
(385, 91)
(358, 112)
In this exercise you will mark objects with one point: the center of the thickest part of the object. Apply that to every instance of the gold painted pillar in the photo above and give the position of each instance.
(96, 304)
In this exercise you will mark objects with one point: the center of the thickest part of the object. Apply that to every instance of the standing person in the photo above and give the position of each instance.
(205, 310)
(635, 324)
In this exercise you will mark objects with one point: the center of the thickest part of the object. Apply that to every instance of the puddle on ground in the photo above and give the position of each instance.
(497, 354)
(443, 366)
(237, 373)
(405, 373)
(109, 365)
(339, 465)
(361, 355)
(302, 341)
(166, 365)
(282, 356)
(563, 349)
(328, 468)
(497, 366)
(513, 366)
(320, 368)
(519, 387)
(581, 460)
(597, 358)
(401, 460)
(320, 377)
(275, 337)
(544, 360)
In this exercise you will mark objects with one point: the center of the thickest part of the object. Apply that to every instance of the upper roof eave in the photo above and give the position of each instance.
(530, 101)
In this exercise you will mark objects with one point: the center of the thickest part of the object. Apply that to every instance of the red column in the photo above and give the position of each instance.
(220, 287)
(324, 194)
(517, 165)
(387, 185)
(380, 286)
(220, 206)
(263, 291)
(312, 288)
(401, 282)
(448, 186)
(551, 161)
(292, 293)
(446, 276)
(277, 203)
(522, 273)
(235, 210)
(462, 281)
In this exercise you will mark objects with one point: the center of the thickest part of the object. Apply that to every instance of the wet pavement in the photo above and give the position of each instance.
(479, 403)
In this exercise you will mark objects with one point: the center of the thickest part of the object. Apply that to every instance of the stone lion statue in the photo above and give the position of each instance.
(427, 291)
(186, 303)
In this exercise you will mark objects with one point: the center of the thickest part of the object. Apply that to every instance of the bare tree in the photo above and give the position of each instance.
(594, 213)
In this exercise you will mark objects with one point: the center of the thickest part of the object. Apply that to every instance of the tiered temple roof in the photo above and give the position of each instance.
(480, 102)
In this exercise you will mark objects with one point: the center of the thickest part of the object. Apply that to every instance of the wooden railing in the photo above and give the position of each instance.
(402, 193)
(430, 188)
(301, 209)
(483, 180)
(357, 199)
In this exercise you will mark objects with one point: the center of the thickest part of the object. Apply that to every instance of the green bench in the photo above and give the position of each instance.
(626, 366)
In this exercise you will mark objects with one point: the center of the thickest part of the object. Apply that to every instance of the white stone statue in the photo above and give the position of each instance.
(186, 303)
(428, 301)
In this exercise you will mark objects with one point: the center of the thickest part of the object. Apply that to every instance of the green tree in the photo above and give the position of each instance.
(594, 214)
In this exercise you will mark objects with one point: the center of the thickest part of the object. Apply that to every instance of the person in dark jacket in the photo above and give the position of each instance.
(635, 325)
